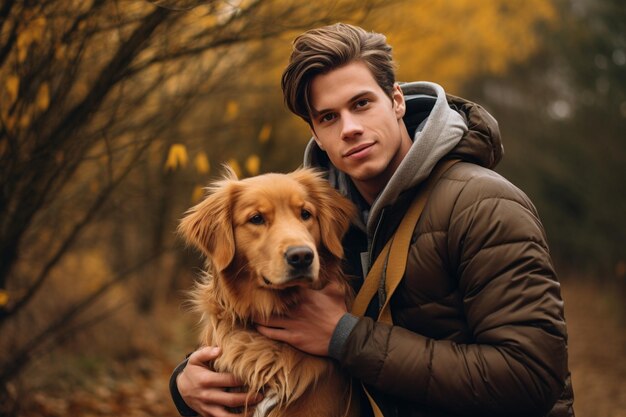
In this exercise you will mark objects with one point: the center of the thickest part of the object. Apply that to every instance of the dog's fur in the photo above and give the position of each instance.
(265, 238)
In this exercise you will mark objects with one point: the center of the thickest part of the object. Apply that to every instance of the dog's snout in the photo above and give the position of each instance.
(299, 256)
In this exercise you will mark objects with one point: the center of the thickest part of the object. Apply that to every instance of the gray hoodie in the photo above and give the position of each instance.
(435, 136)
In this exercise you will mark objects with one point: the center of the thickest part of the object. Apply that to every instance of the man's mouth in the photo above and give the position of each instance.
(357, 150)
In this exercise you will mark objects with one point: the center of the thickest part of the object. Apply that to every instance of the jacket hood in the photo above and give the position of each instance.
(440, 126)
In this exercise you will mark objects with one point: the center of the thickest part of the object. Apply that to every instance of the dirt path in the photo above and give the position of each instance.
(597, 349)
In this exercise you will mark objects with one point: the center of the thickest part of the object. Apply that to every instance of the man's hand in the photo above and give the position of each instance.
(309, 325)
(204, 390)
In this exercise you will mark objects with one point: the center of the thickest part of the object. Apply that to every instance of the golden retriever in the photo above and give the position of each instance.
(265, 238)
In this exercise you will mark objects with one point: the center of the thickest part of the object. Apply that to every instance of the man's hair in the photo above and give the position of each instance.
(319, 51)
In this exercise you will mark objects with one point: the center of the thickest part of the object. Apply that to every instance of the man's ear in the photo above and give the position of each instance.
(319, 143)
(399, 104)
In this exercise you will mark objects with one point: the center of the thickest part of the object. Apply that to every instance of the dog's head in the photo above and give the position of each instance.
(270, 234)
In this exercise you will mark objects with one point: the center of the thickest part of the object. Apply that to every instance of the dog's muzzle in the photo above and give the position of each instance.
(299, 257)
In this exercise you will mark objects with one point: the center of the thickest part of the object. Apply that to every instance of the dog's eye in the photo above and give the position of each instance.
(305, 214)
(256, 219)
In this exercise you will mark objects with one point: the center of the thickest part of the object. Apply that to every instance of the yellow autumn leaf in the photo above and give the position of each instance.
(24, 40)
(38, 28)
(25, 120)
(202, 164)
(234, 165)
(21, 54)
(43, 97)
(4, 298)
(12, 85)
(208, 20)
(253, 163)
(60, 52)
(265, 133)
(176, 157)
(232, 110)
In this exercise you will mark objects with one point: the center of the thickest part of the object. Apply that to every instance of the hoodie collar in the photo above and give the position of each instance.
(436, 129)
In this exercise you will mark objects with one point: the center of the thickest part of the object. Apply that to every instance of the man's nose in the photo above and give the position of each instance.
(350, 127)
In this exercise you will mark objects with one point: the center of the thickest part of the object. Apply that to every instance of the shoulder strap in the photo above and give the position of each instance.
(395, 253)
(392, 259)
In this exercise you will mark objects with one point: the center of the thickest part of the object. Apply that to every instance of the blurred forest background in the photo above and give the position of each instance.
(114, 114)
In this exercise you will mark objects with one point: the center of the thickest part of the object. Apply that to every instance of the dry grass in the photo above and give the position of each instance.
(597, 348)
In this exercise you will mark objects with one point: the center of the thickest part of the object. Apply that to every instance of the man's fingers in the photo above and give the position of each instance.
(202, 357)
(222, 379)
(276, 321)
(231, 399)
(205, 354)
(272, 332)
(210, 407)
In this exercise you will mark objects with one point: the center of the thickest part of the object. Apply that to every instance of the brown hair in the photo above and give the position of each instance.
(321, 50)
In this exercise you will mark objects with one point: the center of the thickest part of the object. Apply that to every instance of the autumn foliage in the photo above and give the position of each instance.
(115, 114)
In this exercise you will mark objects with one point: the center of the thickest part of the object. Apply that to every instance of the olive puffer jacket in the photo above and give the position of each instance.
(478, 318)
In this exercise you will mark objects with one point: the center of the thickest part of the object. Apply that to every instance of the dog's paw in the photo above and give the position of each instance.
(266, 405)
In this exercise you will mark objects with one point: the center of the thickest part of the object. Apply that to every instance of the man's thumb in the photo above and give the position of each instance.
(205, 354)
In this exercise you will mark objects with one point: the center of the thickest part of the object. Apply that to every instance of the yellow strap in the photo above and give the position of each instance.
(371, 283)
(394, 255)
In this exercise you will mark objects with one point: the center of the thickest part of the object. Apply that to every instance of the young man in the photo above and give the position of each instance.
(478, 317)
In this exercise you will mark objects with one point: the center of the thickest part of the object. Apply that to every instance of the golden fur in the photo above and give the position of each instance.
(246, 228)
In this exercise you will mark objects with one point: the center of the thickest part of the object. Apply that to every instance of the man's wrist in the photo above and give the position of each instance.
(340, 335)
(182, 407)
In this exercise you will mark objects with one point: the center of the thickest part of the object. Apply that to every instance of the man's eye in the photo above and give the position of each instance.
(362, 103)
(256, 219)
(327, 117)
(305, 214)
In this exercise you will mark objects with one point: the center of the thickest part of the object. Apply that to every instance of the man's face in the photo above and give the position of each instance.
(358, 125)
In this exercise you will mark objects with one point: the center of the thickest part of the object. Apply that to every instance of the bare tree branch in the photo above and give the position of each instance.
(49, 171)
(23, 356)
(69, 240)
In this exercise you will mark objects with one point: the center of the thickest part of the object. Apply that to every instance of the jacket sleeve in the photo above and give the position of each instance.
(516, 362)
(182, 407)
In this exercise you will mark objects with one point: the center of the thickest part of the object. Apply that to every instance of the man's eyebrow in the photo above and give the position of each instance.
(352, 99)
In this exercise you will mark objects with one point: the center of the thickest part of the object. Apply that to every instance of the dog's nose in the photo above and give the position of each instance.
(299, 256)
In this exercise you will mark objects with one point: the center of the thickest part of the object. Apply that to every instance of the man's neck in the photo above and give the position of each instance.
(372, 187)
(369, 190)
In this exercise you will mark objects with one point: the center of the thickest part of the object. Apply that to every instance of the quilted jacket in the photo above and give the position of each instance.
(478, 318)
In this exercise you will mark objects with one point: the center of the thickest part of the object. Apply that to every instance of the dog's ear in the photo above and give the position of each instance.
(208, 225)
(335, 212)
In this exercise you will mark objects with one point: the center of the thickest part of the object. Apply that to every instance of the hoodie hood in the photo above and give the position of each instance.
(438, 128)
